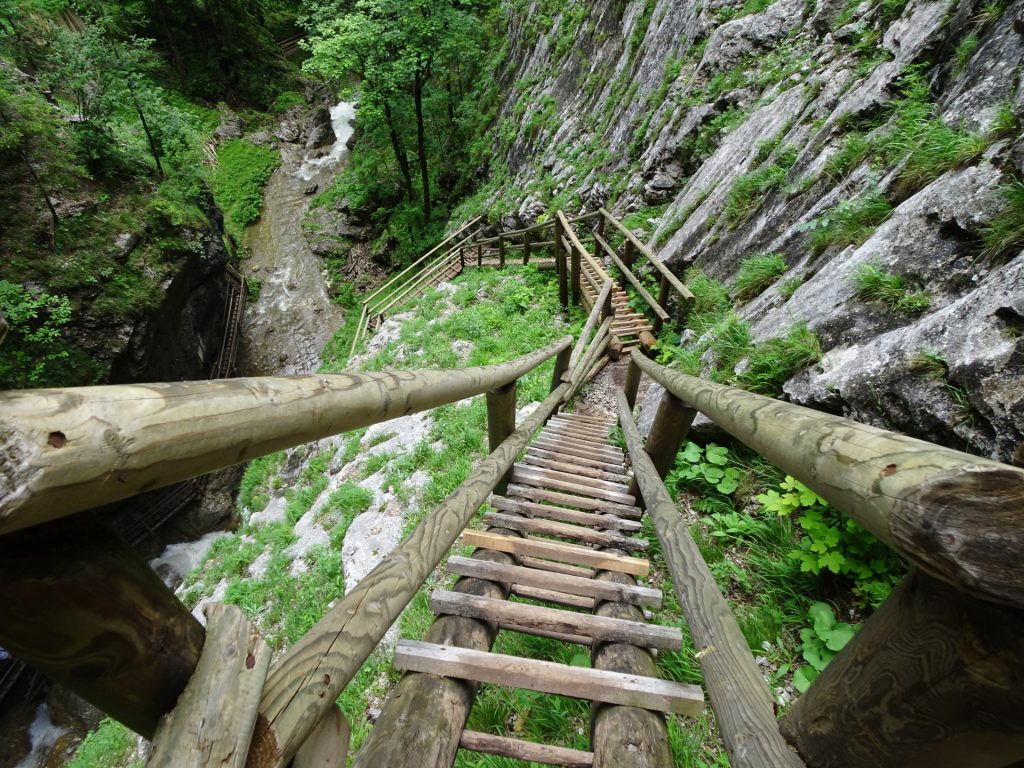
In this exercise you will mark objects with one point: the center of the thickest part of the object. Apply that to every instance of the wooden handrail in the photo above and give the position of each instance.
(742, 702)
(304, 684)
(65, 450)
(633, 279)
(674, 281)
(957, 516)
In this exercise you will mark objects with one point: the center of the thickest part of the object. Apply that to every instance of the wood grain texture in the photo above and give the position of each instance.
(311, 675)
(557, 620)
(525, 750)
(653, 260)
(957, 516)
(579, 533)
(212, 723)
(65, 450)
(739, 695)
(548, 512)
(543, 478)
(658, 310)
(580, 502)
(83, 608)
(563, 553)
(595, 317)
(581, 471)
(327, 746)
(551, 596)
(548, 677)
(668, 430)
(932, 680)
(597, 485)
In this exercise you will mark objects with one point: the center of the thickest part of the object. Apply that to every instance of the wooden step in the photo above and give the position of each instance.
(591, 438)
(590, 482)
(578, 461)
(562, 583)
(548, 512)
(596, 449)
(554, 444)
(551, 596)
(599, 421)
(526, 751)
(549, 677)
(523, 474)
(554, 550)
(550, 566)
(564, 466)
(571, 500)
(565, 531)
(597, 628)
(601, 433)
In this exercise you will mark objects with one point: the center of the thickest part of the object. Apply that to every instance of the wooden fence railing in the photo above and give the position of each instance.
(933, 678)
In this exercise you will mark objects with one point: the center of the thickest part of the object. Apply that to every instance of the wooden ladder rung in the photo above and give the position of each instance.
(549, 512)
(563, 583)
(594, 448)
(553, 596)
(579, 502)
(522, 475)
(549, 677)
(571, 477)
(527, 751)
(582, 471)
(554, 455)
(597, 628)
(565, 531)
(554, 550)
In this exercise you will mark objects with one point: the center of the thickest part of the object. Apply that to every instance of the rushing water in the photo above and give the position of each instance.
(287, 327)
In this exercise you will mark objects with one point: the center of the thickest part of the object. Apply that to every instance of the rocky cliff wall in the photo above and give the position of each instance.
(836, 134)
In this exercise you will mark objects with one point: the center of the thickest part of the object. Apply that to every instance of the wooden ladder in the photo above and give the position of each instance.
(627, 324)
(568, 521)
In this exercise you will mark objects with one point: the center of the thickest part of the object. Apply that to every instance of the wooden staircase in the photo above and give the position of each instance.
(567, 526)
(631, 327)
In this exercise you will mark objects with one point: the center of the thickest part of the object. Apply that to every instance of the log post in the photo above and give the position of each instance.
(479, 253)
(327, 746)
(671, 423)
(527, 236)
(561, 366)
(462, 259)
(932, 680)
(501, 251)
(501, 422)
(628, 253)
(663, 293)
(82, 607)
(632, 385)
(576, 275)
(561, 267)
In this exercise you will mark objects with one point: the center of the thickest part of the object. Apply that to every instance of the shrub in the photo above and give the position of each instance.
(33, 354)
(710, 300)
(756, 273)
(243, 169)
(873, 283)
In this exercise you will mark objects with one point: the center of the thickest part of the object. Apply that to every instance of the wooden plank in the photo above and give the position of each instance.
(550, 566)
(604, 485)
(548, 677)
(581, 417)
(681, 289)
(589, 434)
(565, 531)
(581, 426)
(559, 636)
(525, 750)
(739, 695)
(213, 721)
(551, 596)
(594, 318)
(580, 502)
(563, 583)
(553, 444)
(542, 478)
(628, 274)
(551, 550)
(580, 470)
(595, 448)
(608, 465)
(959, 517)
(327, 746)
(597, 628)
(532, 509)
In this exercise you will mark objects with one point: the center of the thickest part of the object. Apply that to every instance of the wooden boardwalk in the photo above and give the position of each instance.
(568, 526)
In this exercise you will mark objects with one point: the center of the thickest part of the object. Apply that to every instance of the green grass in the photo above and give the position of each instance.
(964, 50)
(873, 283)
(109, 746)
(930, 364)
(851, 153)
(1005, 233)
(749, 190)
(788, 287)
(243, 169)
(849, 223)
(772, 362)
(756, 273)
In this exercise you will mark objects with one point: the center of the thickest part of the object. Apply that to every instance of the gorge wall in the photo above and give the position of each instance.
(835, 134)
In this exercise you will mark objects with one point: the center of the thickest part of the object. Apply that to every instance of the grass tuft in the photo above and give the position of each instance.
(756, 273)
(772, 362)
(849, 223)
(1006, 231)
(872, 283)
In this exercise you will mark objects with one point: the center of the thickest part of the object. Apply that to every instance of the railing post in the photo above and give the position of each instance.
(932, 678)
(576, 274)
(628, 253)
(479, 253)
(663, 292)
(527, 236)
(671, 423)
(82, 607)
(501, 422)
(462, 259)
(561, 366)
(563, 285)
(632, 384)
(501, 251)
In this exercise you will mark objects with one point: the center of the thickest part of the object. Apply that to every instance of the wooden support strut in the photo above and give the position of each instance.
(501, 421)
(671, 424)
(959, 517)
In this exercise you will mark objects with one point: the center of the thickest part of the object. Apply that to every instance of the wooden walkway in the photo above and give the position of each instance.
(569, 526)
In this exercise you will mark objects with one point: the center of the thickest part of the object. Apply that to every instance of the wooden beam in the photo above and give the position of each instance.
(572, 585)
(592, 320)
(305, 682)
(563, 272)
(548, 677)
(572, 477)
(739, 695)
(82, 607)
(933, 678)
(525, 475)
(681, 289)
(66, 450)
(576, 250)
(557, 620)
(552, 596)
(654, 304)
(213, 720)
(561, 368)
(551, 550)
(548, 512)
(550, 566)
(580, 502)
(579, 533)
(501, 421)
(662, 301)
(602, 474)
(524, 750)
(327, 746)
(612, 467)
(668, 430)
(957, 516)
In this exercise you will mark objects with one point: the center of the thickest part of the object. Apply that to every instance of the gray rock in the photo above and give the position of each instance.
(289, 131)
(261, 138)
(649, 408)
(229, 130)
(739, 38)
(311, 189)
(125, 243)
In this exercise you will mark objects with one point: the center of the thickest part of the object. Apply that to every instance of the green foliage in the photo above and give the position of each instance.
(679, 218)
(772, 362)
(788, 286)
(107, 747)
(710, 301)
(243, 169)
(1005, 232)
(34, 353)
(253, 286)
(833, 543)
(750, 189)
(851, 153)
(820, 643)
(756, 273)
(873, 283)
(704, 469)
(849, 223)
(930, 363)
(964, 50)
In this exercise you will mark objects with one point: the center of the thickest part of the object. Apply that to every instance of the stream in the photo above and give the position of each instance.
(287, 327)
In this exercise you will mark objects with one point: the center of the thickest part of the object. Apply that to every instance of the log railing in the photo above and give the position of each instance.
(929, 679)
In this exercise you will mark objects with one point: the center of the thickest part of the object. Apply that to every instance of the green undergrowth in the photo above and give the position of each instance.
(243, 169)
(872, 283)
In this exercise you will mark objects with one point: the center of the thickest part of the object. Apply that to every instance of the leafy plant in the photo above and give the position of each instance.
(964, 50)
(33, 354)
(851, 153)
(243, 169)
(708, 466)
(849, 223)
(756, 273)
(820, 643)
(872, 283)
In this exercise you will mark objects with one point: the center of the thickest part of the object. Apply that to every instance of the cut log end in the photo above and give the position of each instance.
(263, 749)
(966, 525)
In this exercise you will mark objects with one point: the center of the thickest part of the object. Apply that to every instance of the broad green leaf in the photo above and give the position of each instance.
(803, 678)
(821, 617)
(728, 485)
(717, 454)
(691, 453)
(839, 636)
(834, 561)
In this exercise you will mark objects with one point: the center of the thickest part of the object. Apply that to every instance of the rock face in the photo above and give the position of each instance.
(666, 105)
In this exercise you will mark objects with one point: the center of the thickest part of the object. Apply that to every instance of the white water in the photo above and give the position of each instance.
(343, 116)
(42, 734)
